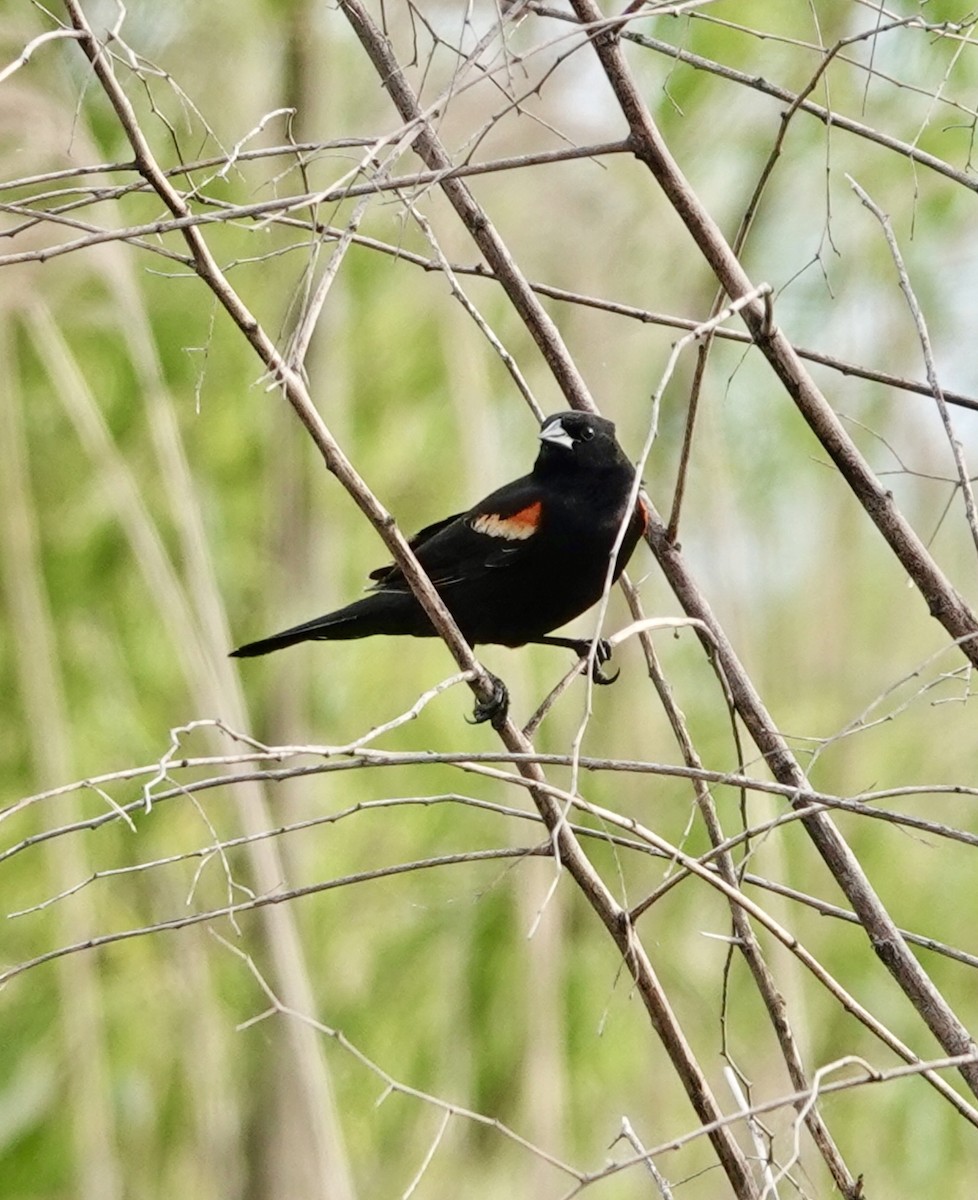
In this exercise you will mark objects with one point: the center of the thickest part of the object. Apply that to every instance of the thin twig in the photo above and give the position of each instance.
(957, 450)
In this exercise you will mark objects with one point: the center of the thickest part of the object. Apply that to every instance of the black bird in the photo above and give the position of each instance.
(525, 560)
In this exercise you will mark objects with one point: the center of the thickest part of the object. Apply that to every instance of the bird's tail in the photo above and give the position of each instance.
(343, 624)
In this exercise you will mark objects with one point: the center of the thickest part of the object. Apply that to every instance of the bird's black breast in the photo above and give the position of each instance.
(533, 585)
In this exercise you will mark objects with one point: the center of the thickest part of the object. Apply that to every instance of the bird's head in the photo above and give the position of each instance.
(579, 440)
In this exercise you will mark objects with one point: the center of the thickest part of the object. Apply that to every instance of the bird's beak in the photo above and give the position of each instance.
(557, 434)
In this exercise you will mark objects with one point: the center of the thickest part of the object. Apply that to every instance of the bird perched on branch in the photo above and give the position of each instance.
(525, 560)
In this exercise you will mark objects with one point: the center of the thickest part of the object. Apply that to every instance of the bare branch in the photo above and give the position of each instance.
(944, 602)
(957, 450)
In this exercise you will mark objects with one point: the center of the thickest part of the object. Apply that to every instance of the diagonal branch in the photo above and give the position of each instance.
(434, 155)
(944, 602)
(957, 451)
(745, 937)
(567, 846)
(288, 378)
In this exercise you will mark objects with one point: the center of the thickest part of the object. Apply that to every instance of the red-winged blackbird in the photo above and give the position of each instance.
(527, 559)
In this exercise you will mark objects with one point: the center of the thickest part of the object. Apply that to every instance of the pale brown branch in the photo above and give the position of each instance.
(27, 53)
(946, 605)
(957, 450)
(829, 117)
(283, 897)
(429, 148)
(870, 1075)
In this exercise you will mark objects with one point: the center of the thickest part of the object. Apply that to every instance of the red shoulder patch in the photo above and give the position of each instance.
(644, 517)
(515, 528)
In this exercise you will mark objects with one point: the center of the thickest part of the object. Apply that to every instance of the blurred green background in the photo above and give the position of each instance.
(161, 504)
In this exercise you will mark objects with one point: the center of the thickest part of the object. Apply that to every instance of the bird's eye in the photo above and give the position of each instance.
(586, 433)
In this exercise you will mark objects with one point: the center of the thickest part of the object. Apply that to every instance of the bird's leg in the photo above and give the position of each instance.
(582, 648)
(495, 708)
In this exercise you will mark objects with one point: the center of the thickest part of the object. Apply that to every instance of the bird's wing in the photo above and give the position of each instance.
(465, 546)
(380, 574)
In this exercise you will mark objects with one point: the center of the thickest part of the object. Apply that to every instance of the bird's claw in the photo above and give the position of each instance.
(602, 654)
(494, 709)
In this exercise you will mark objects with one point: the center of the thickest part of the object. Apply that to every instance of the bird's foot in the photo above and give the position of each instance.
(602, 654)
(494, 709)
